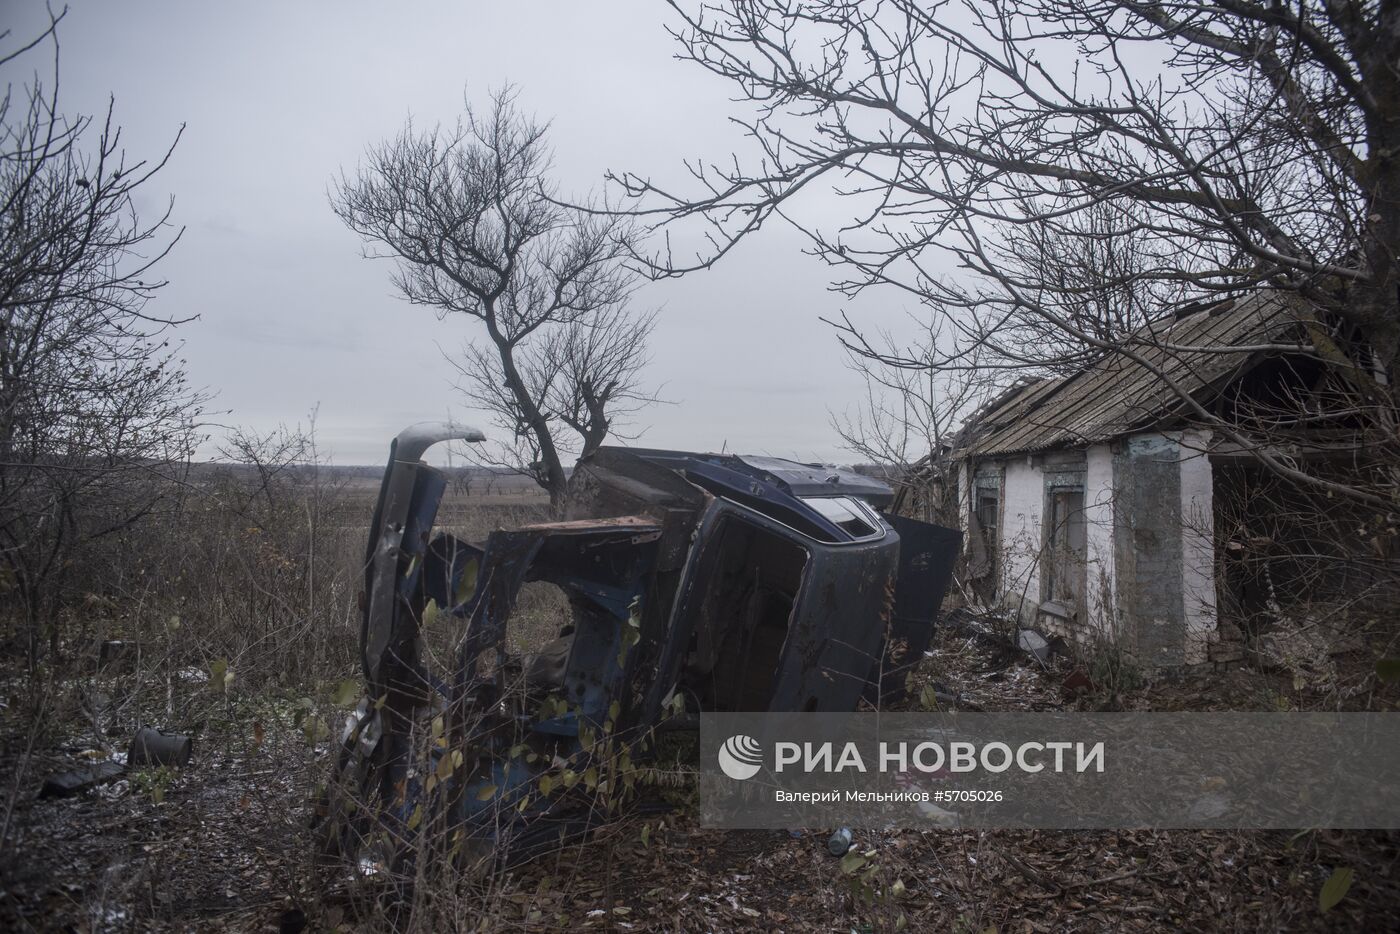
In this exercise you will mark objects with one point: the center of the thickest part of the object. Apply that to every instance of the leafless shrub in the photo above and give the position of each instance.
(912, 411)
(97, 420)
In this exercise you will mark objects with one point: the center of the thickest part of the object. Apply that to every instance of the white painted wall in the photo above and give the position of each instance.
(1023, 497)
(1022, 537)
(1197, 544)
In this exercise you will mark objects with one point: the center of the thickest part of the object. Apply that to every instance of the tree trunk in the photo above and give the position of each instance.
(551, 473)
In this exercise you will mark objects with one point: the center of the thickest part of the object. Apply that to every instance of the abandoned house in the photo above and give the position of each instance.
(1097, 507)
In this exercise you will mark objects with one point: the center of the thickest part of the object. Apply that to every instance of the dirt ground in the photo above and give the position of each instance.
(224, 845)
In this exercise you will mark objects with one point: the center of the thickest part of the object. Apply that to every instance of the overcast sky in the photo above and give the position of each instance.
(278, 97)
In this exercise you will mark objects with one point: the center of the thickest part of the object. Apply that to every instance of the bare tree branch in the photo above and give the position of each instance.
(1081, 164)
(476, 228)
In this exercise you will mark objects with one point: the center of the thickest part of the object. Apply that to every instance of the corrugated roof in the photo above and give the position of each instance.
(1117, 395)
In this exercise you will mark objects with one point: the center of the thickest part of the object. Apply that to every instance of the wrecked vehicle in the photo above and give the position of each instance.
(695, 582)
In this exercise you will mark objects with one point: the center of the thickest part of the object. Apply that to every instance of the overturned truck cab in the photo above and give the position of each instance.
(695, 582)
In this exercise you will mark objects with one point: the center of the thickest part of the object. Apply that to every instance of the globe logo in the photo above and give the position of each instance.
(740, 757)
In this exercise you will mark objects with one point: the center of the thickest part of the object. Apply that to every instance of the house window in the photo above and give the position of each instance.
(989, 517)
(1066, 549)
(983, 556)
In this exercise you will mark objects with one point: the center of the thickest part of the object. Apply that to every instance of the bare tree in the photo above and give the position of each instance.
(476, 227)
(909, 416)
(1227, 145)
(96, 416)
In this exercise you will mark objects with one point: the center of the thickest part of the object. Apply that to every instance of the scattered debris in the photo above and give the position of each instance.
(1304, 644)
(1033, 642)
(990, 626)
(152, 747)
(840, 842)
(67, 784)
(192, 675)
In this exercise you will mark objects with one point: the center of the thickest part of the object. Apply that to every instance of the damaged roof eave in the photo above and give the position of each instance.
(1118, 396)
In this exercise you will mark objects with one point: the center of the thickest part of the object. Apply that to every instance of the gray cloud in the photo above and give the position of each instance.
(279, 97)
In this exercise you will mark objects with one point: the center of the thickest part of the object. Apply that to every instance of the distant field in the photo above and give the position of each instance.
(476, 500)
(511, 486)
(469, 514)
